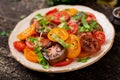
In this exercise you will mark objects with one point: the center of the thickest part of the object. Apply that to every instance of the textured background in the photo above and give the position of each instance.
(108, 68)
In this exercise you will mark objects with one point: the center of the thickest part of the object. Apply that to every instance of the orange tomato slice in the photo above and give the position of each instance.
(71, 11)
(61, 33)
(30, 55)
(27, 32)
(75, 47)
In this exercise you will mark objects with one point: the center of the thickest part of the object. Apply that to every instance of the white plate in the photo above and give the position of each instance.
(23, 24)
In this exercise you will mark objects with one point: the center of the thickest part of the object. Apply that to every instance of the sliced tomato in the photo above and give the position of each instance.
(71, 11)
(30, 55)
(100, 36)
(84, 54)
(44, 41)
(73, 27)
(89, 44)
(19, 45)
(63, 63)
(55, 17)
(75, 47)
(27, 32)
(90, 17)
(52, 11)
(29, 44)
(61, 33)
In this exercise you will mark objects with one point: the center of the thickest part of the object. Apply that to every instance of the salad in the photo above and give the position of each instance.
(60, 37)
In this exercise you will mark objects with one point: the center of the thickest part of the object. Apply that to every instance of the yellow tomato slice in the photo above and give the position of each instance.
(75, 47)
(71, 11)
(30, 55)
(61, 33)
(27, 32)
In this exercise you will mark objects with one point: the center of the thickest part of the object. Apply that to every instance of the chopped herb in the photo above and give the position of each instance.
(83, 60)
(43, 22)
(93, 24)
(64, 44)
(42, 29)
(79, 15)
(33, 40)
(41, 58)
(62, 19)
(85, 24)
(64, 26)
(3, 33)
(39, 17)
(22, 16)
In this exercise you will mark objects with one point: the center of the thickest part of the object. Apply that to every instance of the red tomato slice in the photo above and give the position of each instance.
(44, 41)
(52, 11)
(63, 63)
(73, 27)
(100, 36)
(19, 45)
(56, 16)
(29, 44)
(90, 17)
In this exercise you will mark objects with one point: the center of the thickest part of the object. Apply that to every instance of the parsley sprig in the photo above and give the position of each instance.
(43, 22)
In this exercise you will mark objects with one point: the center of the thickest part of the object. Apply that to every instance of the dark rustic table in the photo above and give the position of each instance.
(11, 11)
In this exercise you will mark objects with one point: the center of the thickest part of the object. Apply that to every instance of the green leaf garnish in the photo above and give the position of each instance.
(83, 60)
(64, 44)
(3, 33)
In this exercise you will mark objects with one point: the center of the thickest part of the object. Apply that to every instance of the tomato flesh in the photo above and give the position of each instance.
(63, 63)
(75, 47)
(52, 11)
(55, 17)
(100, 36)
(73, 27)
(90, 17)
(19, 45)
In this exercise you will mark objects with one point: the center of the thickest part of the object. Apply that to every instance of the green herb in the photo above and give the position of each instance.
(33, 40)
(64, 44)
(83, 60)
(39, 17)
(64, 26)
(85, 24)
(3, 33)
(22, 16)
(43, 22)
(41, 58)
(79, 15)
(93, 24)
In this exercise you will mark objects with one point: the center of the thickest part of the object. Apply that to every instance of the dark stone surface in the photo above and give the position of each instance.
(107, 68)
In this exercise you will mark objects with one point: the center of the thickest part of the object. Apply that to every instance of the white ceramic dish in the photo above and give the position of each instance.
(23, 24)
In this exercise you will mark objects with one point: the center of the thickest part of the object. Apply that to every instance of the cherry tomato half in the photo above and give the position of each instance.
(61, 33)
(90, 17)
(63, 63)
(100, 36)
(19, 45)
(52, 11)
(55, 17)
(73, 27)
(75, 47)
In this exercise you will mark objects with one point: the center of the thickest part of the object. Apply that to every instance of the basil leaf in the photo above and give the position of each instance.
(64, 44)
(83, 60)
